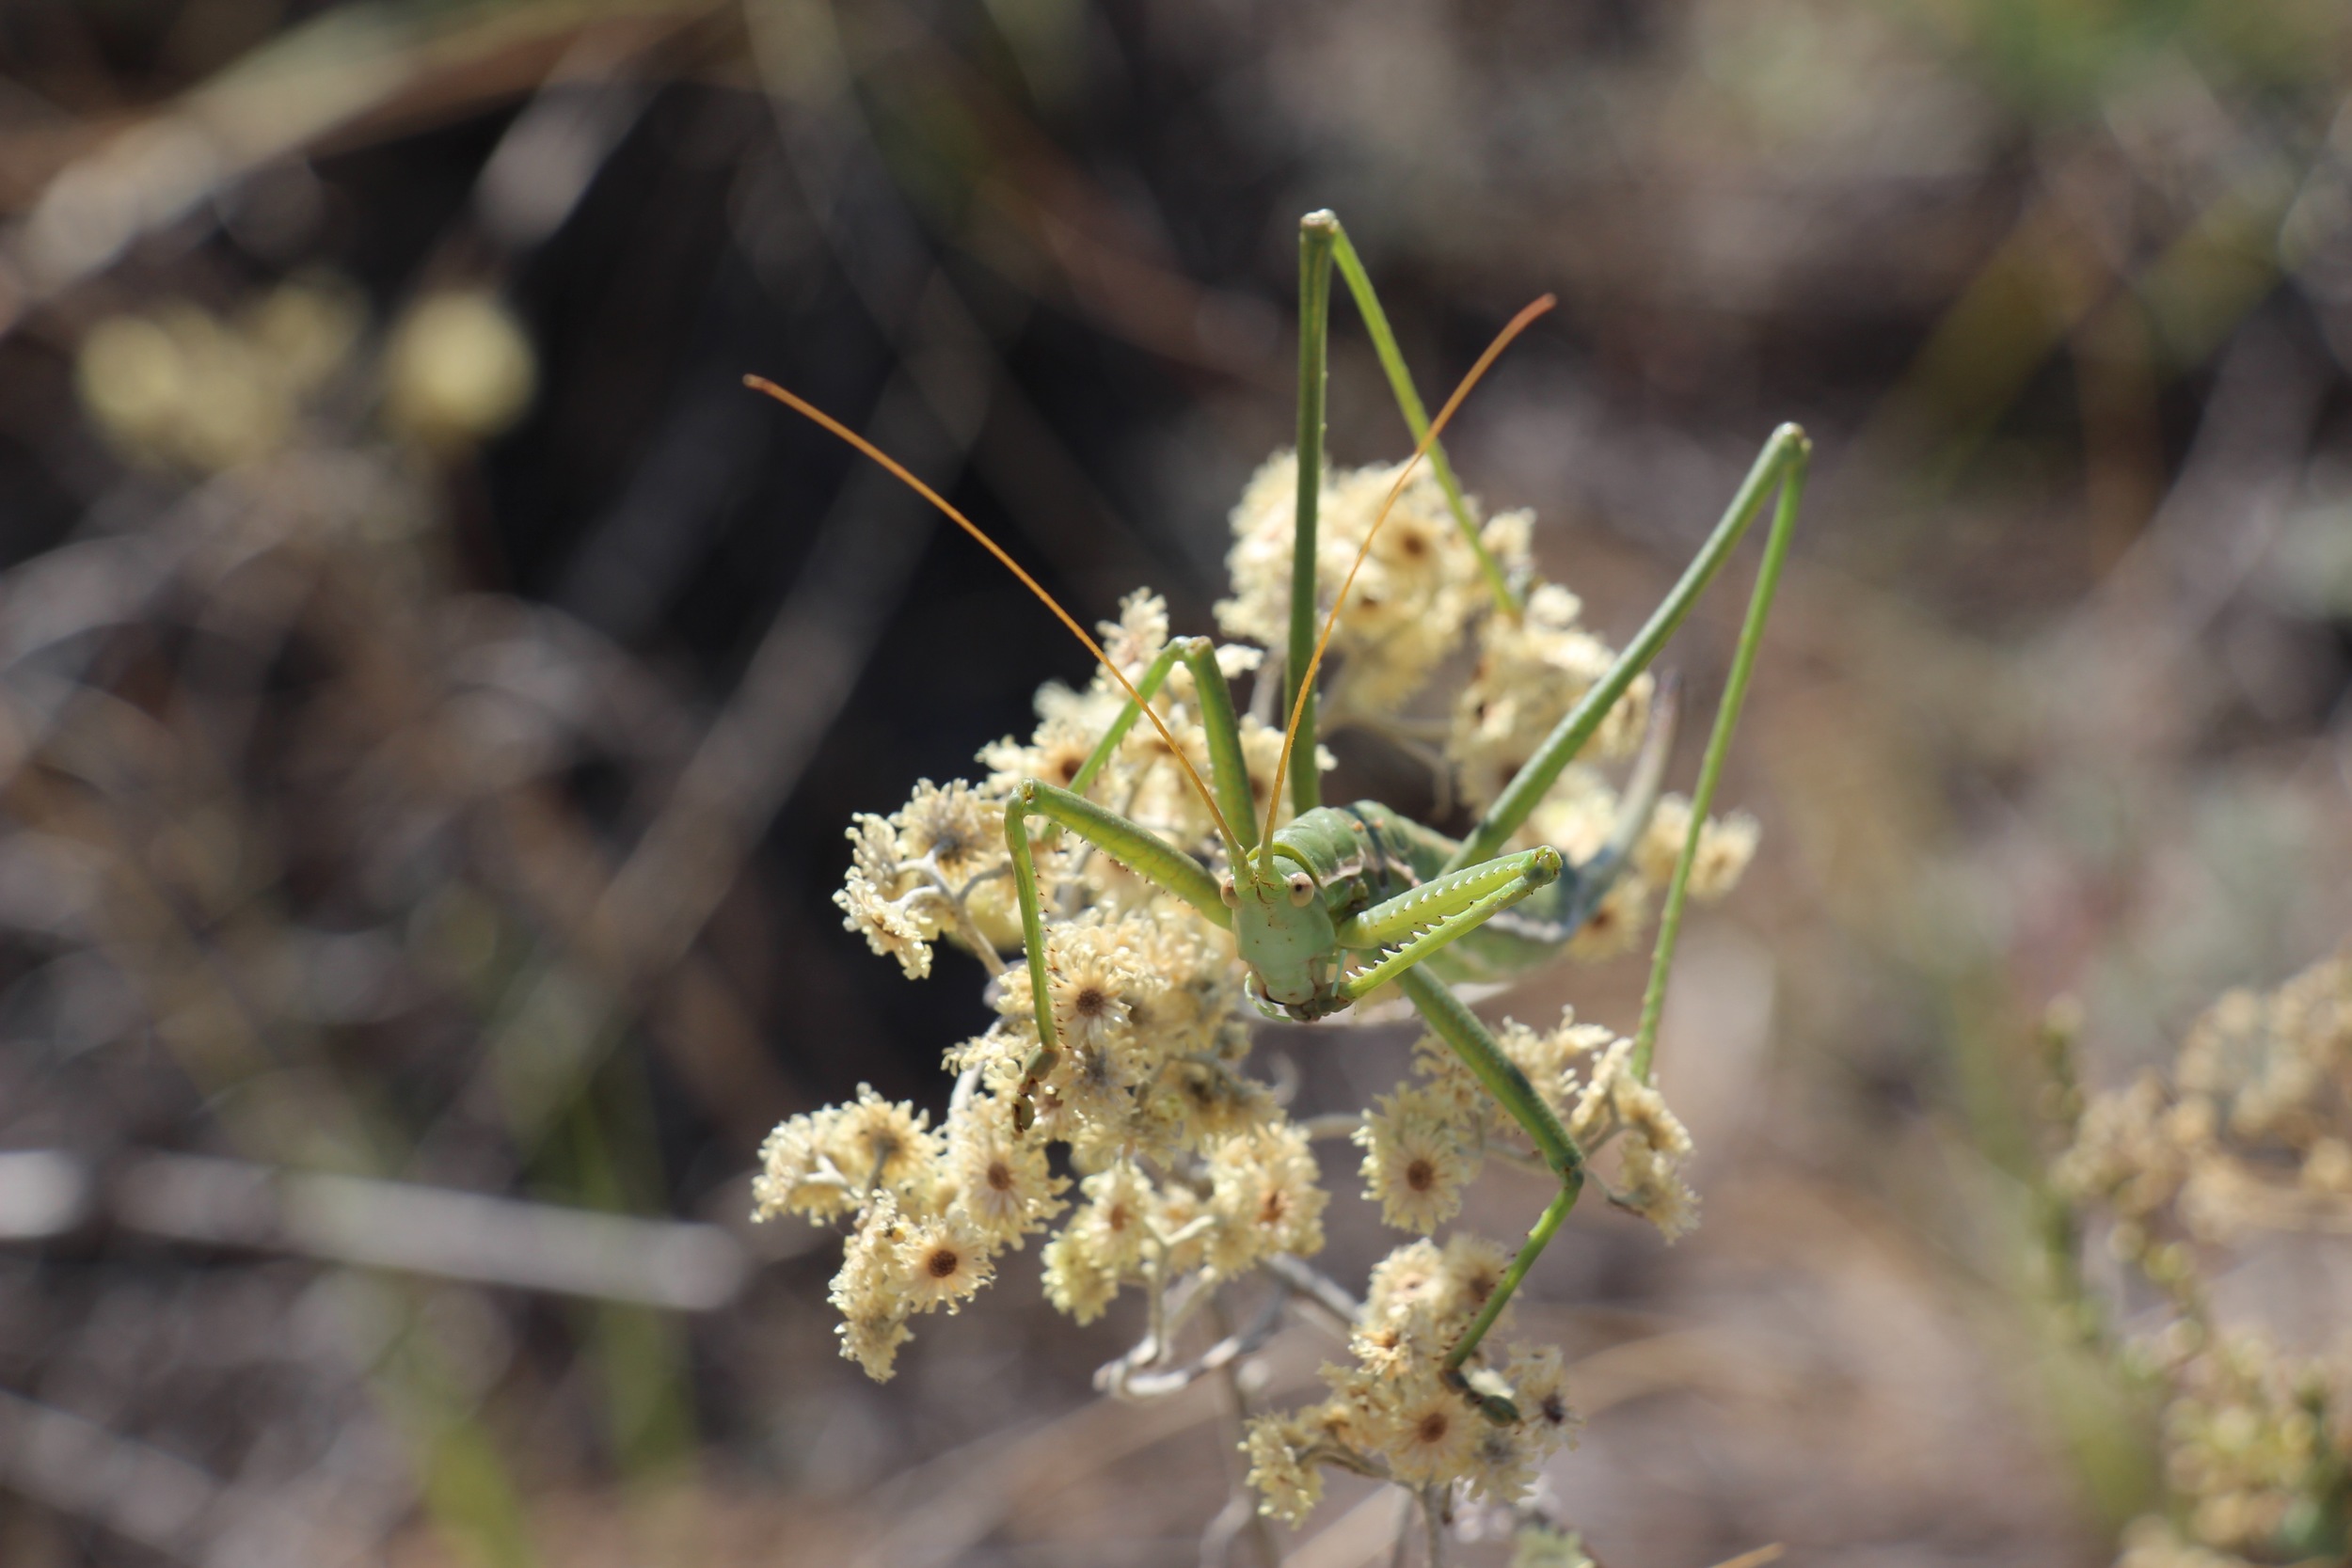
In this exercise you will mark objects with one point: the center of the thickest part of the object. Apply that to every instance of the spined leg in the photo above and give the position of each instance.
(1420, 921)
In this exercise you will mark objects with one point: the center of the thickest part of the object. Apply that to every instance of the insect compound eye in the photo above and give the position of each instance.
(1302, 888)
(1225, 891)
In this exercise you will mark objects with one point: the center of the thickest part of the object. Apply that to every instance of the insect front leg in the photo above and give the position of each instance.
(1133, 846)
(1419, 922)
(1459, 1028)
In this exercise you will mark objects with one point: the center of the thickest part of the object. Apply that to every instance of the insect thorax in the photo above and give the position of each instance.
(1357, 856)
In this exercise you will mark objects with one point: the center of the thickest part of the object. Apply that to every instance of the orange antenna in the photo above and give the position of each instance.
(1306, 682)
(898, 471)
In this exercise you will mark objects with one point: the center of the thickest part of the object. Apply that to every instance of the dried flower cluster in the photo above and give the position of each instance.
(180, 388)
(1417, 591)
(2250, 1134)
(1188, 1172)
(2253, 1131)
(1425, 1143)
(1391, 1414)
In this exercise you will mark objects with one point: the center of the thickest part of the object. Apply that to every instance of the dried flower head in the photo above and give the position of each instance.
(1003, 1181)
(1264, 1198)
(1281, 1468)
(1419, 1151)
(945, 1261)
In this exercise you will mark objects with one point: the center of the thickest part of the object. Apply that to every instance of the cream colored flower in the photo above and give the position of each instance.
(870, 1289)
(1116, 1217)
(1211, 1101)
(1653, 1188)
(798, 1176)
(999, 1056)
(1088, 1106)
(937, 866)
(873, 1341)
(1594, 1116)
(183, 388)
(1501, 1464)
(1726, 845)
(1055, 755)
(945, 1261)
(1089, 976)
(1077, 1282)
(1645, 1116)
(1473, 1267)
(1448, 1076)
(1660, 848)
(1539, 1387)
(1288, 1486)
(457, 366)
(894, 928)
(1002, 1180)
(1531, 670)
(1425, 1431)
(1266, 1198)
(1580, 816)
(1419, 1154)
(1386, 1348)
(1136, 639)
(953, 832)
(878, 1143)
(1190, 1167)
(1654, 1144)
(1407, 1284)
(2328, 1167)
(1182, 1228)
(1415, 594)
(1555, 1059)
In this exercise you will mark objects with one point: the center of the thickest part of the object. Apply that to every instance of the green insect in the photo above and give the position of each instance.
(1340, 900)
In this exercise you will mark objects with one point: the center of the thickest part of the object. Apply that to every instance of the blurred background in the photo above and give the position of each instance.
(432, 692)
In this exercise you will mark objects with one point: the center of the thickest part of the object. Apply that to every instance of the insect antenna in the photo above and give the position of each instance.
(899, 470)
(1518, 324)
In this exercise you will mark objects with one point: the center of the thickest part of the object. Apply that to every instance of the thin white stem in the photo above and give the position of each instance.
(1520, 1160)
(1400, 1553)
(1221, 1357)
(981, 947)
(1312, 1287)
(1332, 1124)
